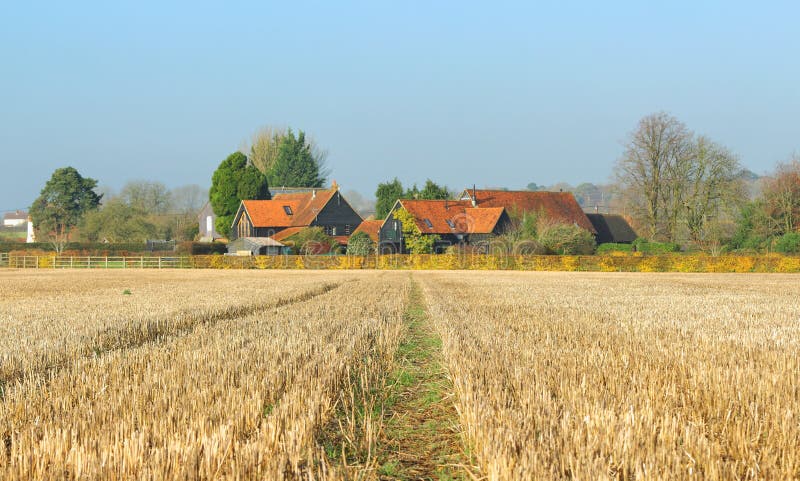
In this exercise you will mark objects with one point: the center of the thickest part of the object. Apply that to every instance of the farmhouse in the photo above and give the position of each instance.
(15, 219)
(454, 222)
(290, 212)
(257, 246)
(477, 215)
(612, 228)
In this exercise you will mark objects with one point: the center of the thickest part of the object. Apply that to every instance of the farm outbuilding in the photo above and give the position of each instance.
(454, 222)
(206, 222)
(257, 246)
(612, 228)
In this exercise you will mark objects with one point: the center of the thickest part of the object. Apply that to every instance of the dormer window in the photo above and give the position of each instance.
(287, 209)
(428, 223)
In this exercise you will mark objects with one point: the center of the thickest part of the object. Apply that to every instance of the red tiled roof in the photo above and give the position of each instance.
(371, 228)
(485, 219)
(286, 233)
(269, 213)
(341, 239)
(558, 206)
(304, 206)
(17, 215)
(462, 217)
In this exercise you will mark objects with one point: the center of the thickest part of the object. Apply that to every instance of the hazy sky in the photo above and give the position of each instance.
(499, 95)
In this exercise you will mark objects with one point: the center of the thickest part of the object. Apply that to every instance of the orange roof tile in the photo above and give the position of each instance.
(269, 213)
(484, 219)
(341, 239)
(371, 228)
(304, 207)
(452, 216)
(559, 206)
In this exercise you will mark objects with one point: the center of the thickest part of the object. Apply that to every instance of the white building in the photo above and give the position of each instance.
(15, 219)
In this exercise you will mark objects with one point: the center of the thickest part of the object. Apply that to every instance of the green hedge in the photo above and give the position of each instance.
(646, 247)
(788, 243)
(613, 247)
(201, 248)
(87, 248)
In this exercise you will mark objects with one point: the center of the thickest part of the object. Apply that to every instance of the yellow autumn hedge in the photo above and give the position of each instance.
(612, 262)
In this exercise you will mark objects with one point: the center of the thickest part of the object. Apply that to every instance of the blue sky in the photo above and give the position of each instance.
(463, 93)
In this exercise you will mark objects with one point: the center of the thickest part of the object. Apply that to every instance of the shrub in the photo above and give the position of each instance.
(360, 244)
(788, 243)
(514, 245)
(312, 241)
(565, 239)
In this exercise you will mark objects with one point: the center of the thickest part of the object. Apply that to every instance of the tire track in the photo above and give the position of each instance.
(159, 330)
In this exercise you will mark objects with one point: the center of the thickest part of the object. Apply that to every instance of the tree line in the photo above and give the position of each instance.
(69, 203)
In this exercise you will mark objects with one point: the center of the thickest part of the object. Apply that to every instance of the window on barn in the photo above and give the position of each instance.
(333, 230)
(244, 227)
(287, 209)
(450, 224)
(428, 223)
(347, 229)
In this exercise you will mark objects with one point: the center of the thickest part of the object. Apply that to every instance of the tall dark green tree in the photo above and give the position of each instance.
(433, 191)
(386, 195)
(233, 181)
(296, 164)
(65, 198)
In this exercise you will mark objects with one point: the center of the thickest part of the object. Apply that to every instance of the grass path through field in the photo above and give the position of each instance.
(421, 438)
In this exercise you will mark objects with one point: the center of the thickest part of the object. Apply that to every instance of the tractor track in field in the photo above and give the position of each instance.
(422, 437)
(157, 331)
(418, 435)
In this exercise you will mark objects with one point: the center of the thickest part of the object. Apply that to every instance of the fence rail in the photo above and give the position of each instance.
(3, 259)
(96, 262)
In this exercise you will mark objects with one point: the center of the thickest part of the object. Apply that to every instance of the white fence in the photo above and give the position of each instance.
(96, 262)
(3, 259)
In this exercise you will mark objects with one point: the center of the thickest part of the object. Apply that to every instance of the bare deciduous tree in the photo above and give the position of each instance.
(653, 158)
(714, 190)
(188, 199)
(675, 186)
(264, 148)
(150, 197)
(781, 193)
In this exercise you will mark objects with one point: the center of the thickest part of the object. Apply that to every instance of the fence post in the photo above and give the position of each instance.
(141, 262)
(159, 262)
(106, 262)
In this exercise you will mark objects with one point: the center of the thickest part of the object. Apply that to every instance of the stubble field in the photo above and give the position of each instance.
(398, 375)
